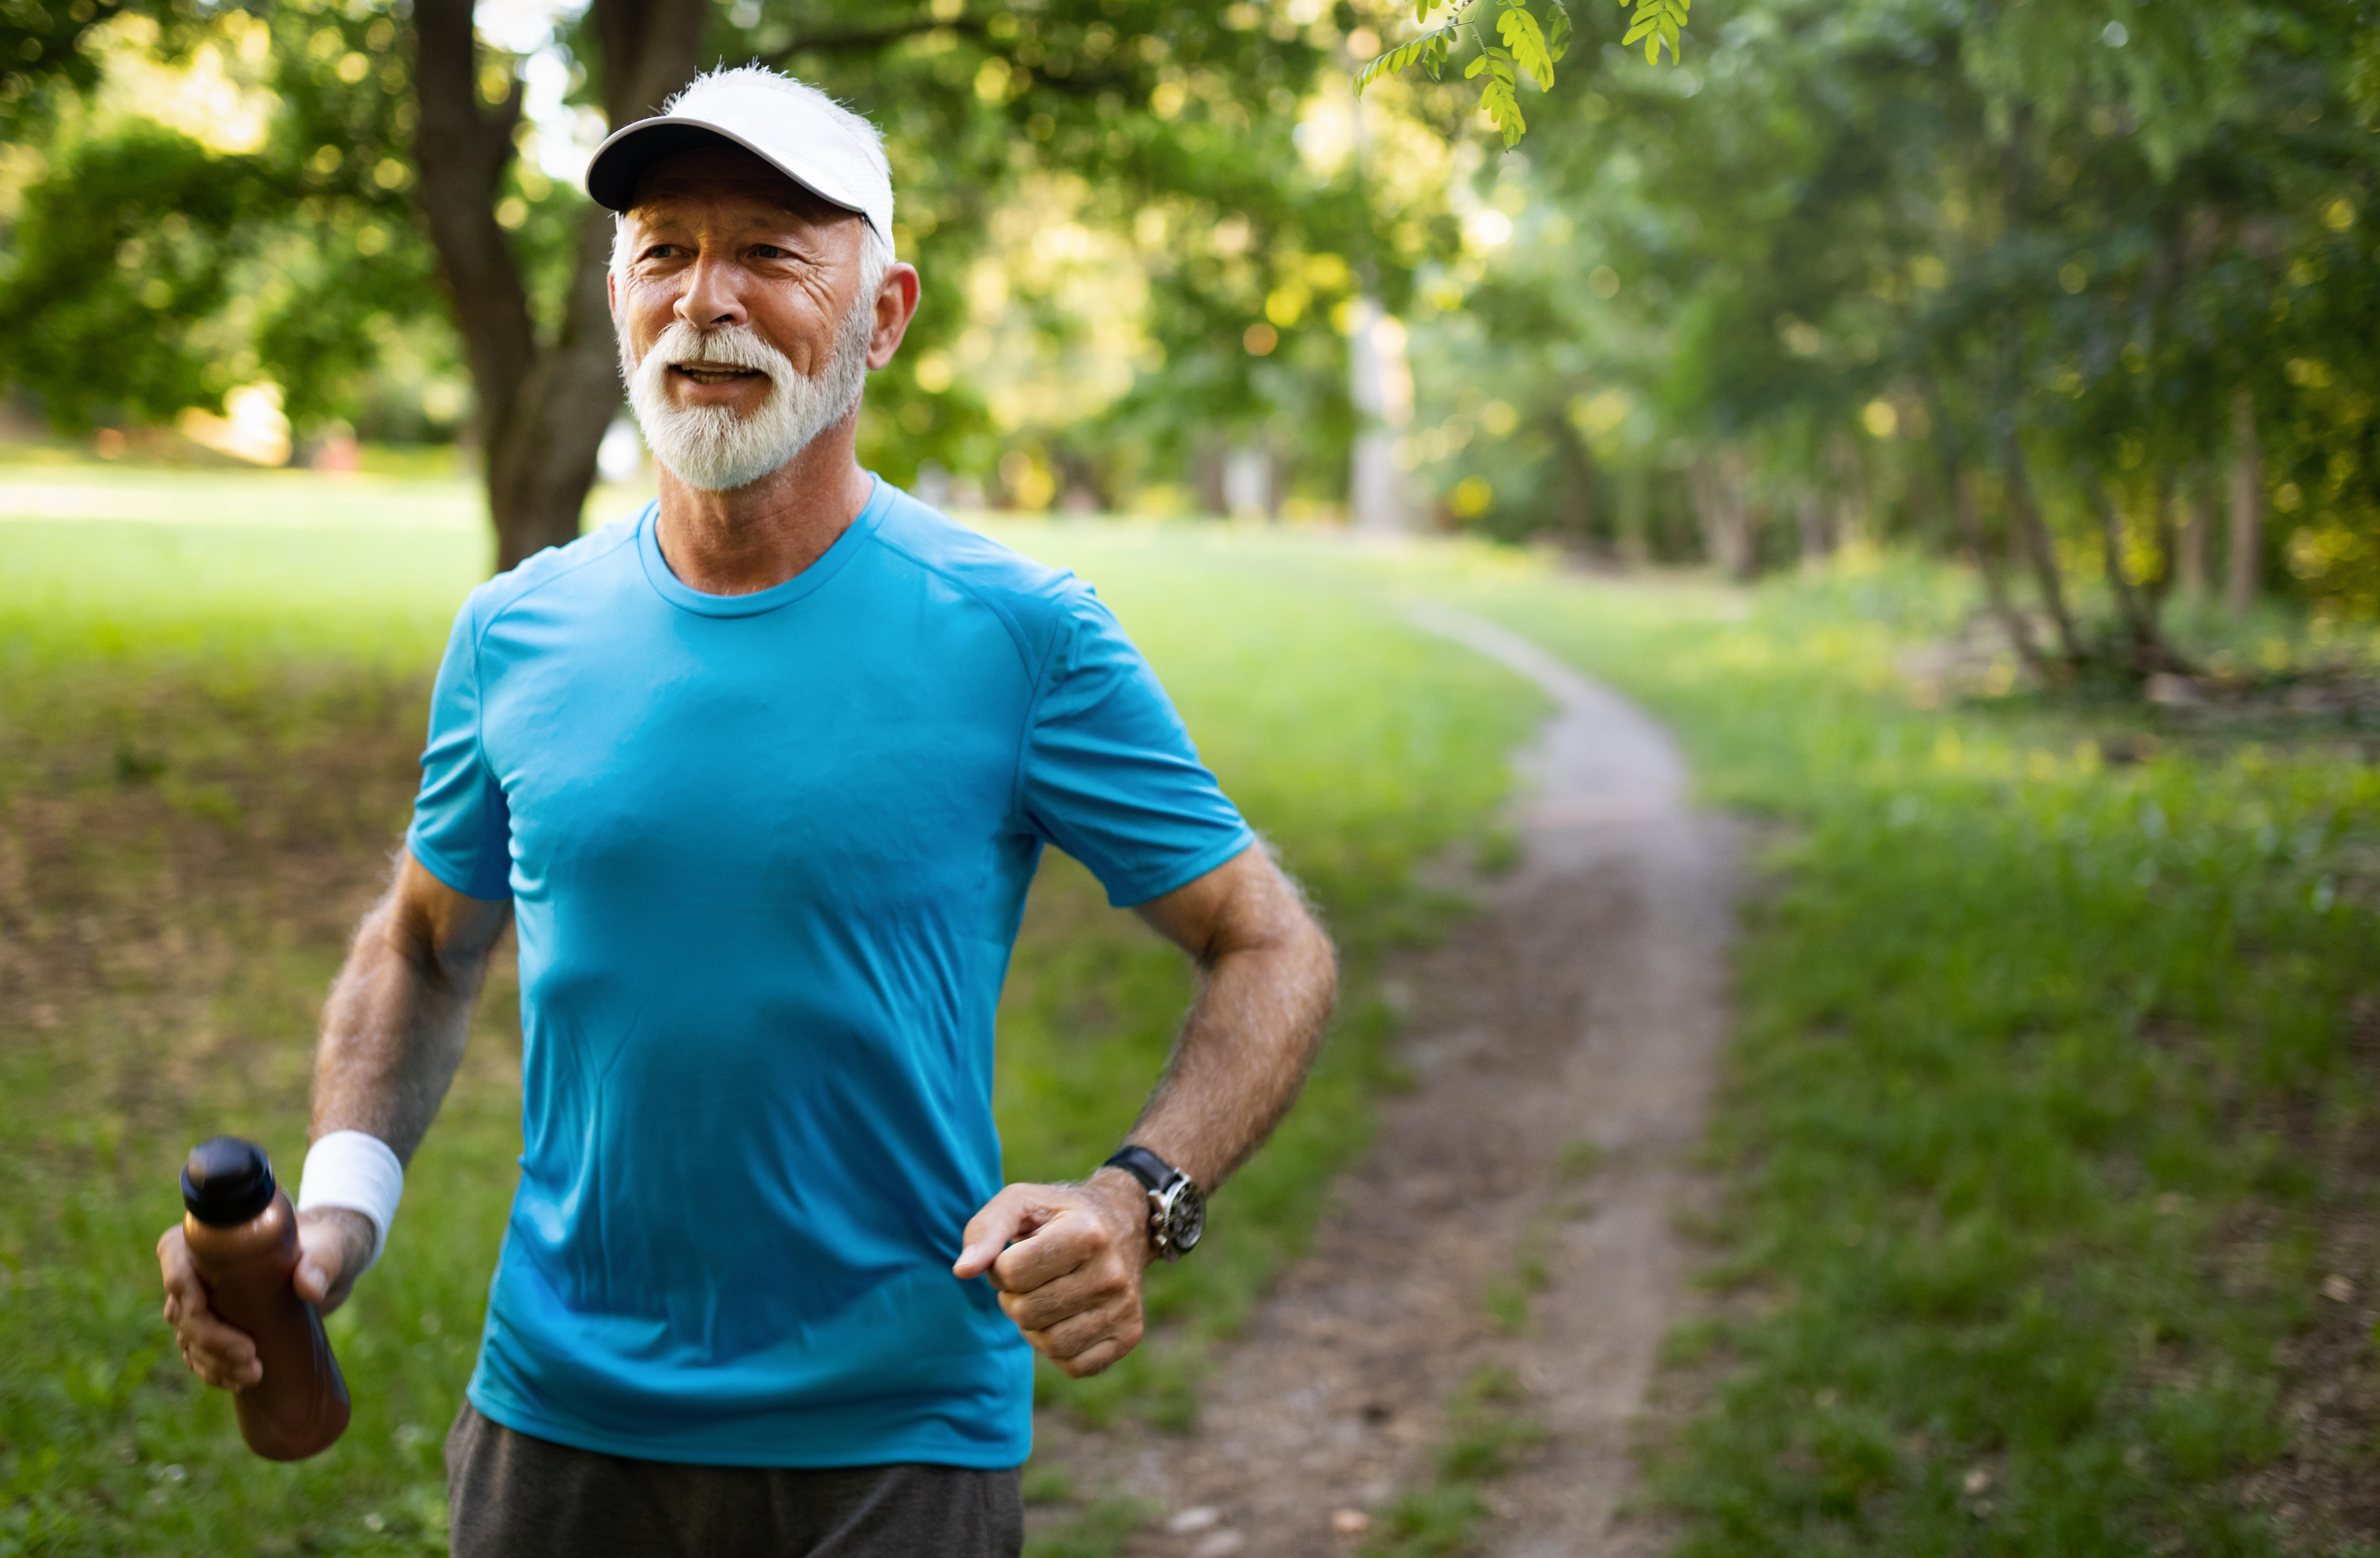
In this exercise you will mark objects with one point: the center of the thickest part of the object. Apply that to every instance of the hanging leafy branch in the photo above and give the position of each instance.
(1520, 44)
(1657, 23)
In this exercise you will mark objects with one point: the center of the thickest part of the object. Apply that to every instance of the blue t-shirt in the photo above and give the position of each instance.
(767, 854)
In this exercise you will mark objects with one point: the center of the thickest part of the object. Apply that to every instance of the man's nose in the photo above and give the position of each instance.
(711, 298)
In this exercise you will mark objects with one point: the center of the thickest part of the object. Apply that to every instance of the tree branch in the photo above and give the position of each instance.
(1960, 483)
(2149, 653)
(867, 40)
(2040, 550)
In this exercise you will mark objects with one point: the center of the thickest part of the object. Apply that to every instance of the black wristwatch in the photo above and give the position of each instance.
(1177, 1207)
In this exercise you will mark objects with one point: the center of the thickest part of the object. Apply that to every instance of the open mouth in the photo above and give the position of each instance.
(714, 373)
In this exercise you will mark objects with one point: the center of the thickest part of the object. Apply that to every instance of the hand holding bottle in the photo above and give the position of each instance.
(331, 1243)
(244, 1277)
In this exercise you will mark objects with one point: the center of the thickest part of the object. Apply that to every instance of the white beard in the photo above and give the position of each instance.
(716, 449)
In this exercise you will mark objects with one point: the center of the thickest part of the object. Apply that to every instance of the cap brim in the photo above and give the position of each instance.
(621, 162)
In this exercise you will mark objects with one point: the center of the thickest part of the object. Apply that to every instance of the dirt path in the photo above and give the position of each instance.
(1584, 1004)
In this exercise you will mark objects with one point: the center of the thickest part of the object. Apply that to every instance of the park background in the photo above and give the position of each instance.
(1955, 420)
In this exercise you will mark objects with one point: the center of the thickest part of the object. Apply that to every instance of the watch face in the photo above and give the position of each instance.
(1185, 1217)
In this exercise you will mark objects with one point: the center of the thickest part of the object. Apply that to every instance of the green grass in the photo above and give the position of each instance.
(2046, 1119)
(1099, 1530)
(207, 741)
(1486, 1432)
(2043, 1124)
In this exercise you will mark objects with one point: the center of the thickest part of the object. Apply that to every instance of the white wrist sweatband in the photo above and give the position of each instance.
(359, 1172)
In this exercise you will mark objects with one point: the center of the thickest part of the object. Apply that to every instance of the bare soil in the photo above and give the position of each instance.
(1584, 1004)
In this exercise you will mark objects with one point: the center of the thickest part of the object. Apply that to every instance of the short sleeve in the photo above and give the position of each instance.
(462, 829)
(1111, 775)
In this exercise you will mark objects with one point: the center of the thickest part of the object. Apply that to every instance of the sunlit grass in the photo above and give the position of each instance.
(207, 734)
(2035, 1126)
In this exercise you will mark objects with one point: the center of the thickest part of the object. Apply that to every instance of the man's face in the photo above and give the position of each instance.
(719, 239)
(749, 313)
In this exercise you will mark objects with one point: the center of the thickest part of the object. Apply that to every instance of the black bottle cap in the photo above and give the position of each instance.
(228, 1181)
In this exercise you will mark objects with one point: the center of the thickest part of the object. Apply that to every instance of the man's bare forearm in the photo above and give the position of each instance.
(1268, 983)
(1067, 1259)
(400, 1011)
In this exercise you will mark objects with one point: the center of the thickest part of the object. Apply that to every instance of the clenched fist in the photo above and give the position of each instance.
(1067, 1260)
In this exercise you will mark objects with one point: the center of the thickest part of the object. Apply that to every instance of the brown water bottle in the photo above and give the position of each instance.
(243, 1236)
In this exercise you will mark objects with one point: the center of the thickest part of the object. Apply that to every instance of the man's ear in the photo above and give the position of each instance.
(896, 304)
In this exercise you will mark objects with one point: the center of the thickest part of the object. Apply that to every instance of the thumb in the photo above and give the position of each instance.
(316, 1272)
(1003, 1217)
(322, 1256)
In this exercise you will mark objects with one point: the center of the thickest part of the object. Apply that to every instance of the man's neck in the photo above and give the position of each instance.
(757, 537)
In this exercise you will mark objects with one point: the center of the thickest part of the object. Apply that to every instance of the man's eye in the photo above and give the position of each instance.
(767, 251)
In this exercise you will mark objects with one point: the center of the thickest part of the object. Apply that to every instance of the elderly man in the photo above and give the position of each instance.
(761, 774)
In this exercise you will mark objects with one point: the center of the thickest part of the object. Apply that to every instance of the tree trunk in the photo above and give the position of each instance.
(2111, 538)
(2024, 517)
(1380, 384)
(1636, 516)
(1574, 504)
(542, 405)
(1729, 528)
(1853, 496)
(2136, 607)
(2247, 504)
(2198, 525)
(1380, 387)
(1207, 473)
(1810, 514)
(1961, 483)
(1247, 481)
(2167, 499)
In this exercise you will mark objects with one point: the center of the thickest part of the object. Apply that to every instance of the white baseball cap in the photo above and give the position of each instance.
(798, 130)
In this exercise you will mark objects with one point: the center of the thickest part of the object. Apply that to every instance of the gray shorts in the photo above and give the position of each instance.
(513, 1496)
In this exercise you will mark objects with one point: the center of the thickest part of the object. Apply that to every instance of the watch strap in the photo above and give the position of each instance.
(1153, 1172)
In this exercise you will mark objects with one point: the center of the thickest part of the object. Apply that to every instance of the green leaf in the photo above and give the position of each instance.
(1520, 32)
(1429, 48)
(1658, 23)
(1502, 105)
(1527, 46)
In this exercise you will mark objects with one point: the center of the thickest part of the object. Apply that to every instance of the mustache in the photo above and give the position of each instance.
(724, 348)
(716, 448)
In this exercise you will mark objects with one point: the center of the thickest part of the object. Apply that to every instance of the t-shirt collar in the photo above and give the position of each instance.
(830, 563)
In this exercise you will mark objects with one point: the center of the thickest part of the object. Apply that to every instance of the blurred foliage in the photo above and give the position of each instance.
(1845, 263)
(2077, 232)
(50, 49)
(1168, 217)
(254, 220)
(1069, 169)
(127, 256)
